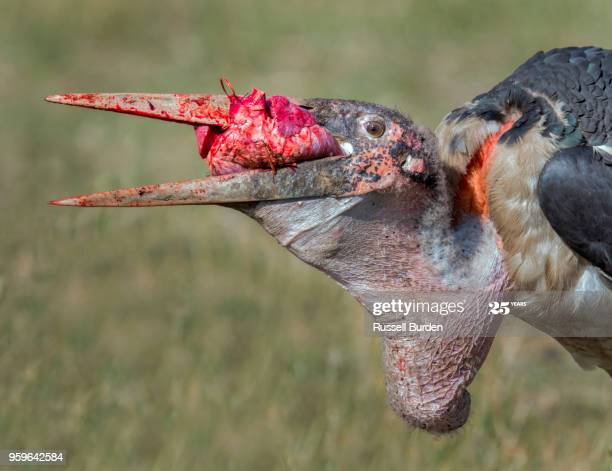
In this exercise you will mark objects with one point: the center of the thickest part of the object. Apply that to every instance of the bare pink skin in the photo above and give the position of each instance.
(264, 133)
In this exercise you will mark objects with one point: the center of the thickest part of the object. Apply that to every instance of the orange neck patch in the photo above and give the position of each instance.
(472, 194)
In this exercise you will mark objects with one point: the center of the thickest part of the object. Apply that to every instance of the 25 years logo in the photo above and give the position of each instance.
(497, 307)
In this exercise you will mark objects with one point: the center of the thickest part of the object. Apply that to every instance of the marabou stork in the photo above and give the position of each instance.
(514, 193)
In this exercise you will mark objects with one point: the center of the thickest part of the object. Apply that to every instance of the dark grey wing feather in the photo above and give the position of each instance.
(581, 79)
(575, 194)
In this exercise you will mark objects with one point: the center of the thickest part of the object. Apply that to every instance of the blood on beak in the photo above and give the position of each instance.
(332, 176)
(336, 176)
(177, 107)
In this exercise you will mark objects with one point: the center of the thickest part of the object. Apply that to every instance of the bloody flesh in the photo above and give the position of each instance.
(263, 133)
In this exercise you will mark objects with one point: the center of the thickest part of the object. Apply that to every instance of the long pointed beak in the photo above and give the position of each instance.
(178, 107)
(332, 176)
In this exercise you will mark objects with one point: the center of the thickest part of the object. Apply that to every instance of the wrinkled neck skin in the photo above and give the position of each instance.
(403, 241)
(389, 241)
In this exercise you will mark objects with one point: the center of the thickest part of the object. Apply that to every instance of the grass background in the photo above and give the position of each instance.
(185, 338)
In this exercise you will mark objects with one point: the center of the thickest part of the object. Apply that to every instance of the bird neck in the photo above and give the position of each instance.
(462, 246)
(403, 240)
(385, 241)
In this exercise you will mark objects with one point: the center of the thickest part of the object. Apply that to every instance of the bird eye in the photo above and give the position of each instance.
(374, 127)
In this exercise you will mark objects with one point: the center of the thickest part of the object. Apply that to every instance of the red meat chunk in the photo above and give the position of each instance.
(264, 133)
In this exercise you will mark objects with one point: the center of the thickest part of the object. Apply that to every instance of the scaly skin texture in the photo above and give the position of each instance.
(264, 133)
(413, 379)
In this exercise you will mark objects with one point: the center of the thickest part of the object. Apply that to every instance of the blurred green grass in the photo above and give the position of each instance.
(185, 338)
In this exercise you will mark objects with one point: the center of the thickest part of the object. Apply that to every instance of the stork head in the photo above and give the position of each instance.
(376, 142)
(359, 217)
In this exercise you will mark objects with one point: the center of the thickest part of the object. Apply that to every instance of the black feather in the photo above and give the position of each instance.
(578, 78)
(575, 194)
